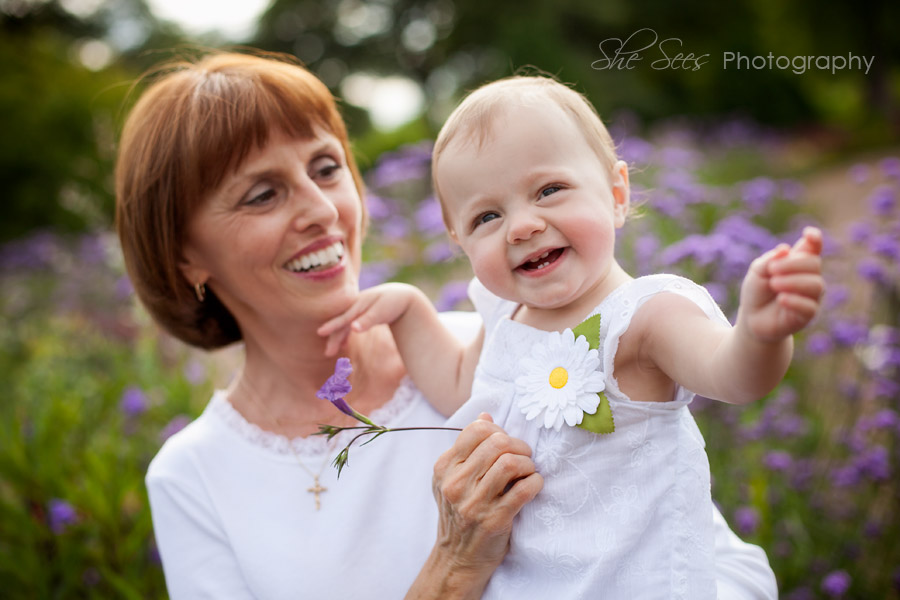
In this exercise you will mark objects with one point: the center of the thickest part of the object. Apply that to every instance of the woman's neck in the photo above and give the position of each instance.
(276, 389)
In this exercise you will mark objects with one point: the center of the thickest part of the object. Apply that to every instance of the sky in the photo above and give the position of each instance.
(235, 19)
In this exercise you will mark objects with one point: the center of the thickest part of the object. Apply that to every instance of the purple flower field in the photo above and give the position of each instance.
(810, 473)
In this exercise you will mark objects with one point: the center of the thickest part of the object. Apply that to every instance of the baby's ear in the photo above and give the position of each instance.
(621, 191)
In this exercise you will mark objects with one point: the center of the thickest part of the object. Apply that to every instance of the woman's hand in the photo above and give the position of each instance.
(480, 484)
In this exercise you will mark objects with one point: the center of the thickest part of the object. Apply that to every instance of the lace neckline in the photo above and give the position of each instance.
(314, 445)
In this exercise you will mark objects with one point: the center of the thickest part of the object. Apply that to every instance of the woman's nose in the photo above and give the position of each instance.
(313, 207)
(522, 225)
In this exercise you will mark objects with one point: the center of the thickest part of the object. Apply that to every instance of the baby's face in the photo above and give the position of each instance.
(534, 208)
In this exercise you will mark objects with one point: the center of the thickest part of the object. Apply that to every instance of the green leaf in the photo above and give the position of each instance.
(602, 420)
(590, 329)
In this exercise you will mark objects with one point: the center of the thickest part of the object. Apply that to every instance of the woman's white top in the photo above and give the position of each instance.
(622, 515)
(233, 518)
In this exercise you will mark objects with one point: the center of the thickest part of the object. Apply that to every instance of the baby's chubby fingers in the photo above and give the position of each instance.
(761, 265)
(346, 319)
(335, 340)
(798, 310)
(802, 283)
(810, 242)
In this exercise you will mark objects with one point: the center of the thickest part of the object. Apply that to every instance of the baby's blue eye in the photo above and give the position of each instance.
(550, 190)
(486, 217)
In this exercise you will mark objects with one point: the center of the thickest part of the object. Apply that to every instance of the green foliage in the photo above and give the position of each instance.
(88, 399)
(57, 154)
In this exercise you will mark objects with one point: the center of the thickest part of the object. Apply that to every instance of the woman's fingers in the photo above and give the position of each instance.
(469, 439)
(507, 471)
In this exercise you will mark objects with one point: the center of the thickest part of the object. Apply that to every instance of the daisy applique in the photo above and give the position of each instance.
(562, 382)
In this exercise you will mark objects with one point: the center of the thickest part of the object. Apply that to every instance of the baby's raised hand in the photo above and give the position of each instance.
(382, 304)
(781, 292)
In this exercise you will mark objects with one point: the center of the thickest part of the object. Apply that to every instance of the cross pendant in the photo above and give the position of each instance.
(317, 489)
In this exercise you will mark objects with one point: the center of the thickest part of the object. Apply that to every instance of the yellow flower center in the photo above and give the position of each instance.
(558, 377)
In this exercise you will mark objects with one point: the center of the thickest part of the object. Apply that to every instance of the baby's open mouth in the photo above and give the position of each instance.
(543, 261)
(317, 261)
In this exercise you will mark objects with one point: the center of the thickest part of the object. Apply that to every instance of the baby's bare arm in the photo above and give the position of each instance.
(440, 365)
(780, 296)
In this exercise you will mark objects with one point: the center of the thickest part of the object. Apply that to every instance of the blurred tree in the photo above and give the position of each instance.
(449, 46)
(62, 95)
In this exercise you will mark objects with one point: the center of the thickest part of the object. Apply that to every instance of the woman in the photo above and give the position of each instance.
(240, 216)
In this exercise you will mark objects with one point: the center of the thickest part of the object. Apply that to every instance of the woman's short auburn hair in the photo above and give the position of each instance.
(196, 122)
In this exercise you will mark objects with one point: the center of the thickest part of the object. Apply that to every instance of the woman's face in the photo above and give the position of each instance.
(279, 239)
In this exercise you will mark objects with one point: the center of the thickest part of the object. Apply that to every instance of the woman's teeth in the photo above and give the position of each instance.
(318, 260)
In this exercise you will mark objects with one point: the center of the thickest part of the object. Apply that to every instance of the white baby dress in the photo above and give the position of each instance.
(625, 515)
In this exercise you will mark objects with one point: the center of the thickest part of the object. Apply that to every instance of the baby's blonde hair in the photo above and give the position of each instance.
(475, 116)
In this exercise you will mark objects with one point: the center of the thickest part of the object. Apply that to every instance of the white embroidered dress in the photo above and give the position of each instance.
(626, 515)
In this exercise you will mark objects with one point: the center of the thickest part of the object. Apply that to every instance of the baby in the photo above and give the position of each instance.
(591, 367)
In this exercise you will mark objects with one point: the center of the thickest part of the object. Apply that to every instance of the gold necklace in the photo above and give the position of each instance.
(317, 488)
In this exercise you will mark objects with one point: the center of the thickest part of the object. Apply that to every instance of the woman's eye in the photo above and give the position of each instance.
(325, 169)
(260, 198)
(550, 190)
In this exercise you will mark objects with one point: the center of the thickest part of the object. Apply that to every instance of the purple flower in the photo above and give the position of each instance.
(875, 464)
(61, 514)
(758, 193)
(885, 419)
(885, 245)
(836, 583)
(395, 227)
(337, 386)
(871, 269)
(194, 372)
(860, 231)
(791, 426)
(133, 402)
(440, 251)
(890, 166)
(778, 461)
(452, 294)
(379, 208)
(123, 288)
(374, 273)
(746, 519)
(848, 333)
(791, 189)
(409, 162)
(836, 295)
(91, 250)
(819, 343)
(845, 477)
(429, 217)
(173, 427)
(882, 200)
(635, 150)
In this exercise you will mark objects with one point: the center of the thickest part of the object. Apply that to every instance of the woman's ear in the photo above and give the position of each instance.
(621, 192)
(191, 267)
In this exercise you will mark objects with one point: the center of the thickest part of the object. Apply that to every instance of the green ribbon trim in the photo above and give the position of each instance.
(602, 420)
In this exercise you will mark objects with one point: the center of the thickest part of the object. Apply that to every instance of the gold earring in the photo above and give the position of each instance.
(200, 290)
